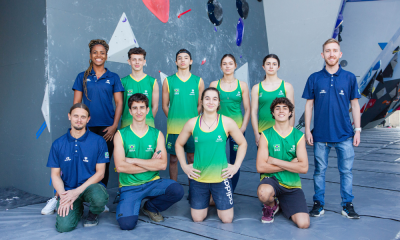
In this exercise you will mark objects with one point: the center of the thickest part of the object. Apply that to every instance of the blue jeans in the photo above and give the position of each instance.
(233, 147)
(345, 159)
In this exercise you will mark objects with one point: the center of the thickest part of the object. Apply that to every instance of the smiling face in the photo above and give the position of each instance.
(228, 65)
(137, 62)
(271, 66)
(183, 61)
(210, 101)
(79, 117)
(98, 55)
(139, 111)
(281, 112)
(331, 54)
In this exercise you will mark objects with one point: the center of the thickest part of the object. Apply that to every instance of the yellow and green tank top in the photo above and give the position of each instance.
(283, 148)
(209, 155)
(132, 86)
(231, 103)
(183, 97)
(265, 99)
(141, 147)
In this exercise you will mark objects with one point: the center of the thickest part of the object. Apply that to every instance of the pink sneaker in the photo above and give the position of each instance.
(276, 207)
(268, 214)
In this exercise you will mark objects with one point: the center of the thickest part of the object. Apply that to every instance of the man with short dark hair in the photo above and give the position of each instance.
(139, 155)
(78, 161)
(331, 91)
(281, 156)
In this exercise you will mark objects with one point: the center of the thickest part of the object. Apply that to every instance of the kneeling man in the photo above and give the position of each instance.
(139, 153)
(78, 162)
(281, 157)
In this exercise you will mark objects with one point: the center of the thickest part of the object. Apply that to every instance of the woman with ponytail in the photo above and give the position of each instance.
(96, 87)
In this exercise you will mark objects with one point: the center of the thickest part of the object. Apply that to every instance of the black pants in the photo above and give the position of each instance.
(110, 146)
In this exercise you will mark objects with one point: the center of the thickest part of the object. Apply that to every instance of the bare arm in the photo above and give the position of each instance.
(357, 120)
(254, 112)
(201, 89)
(77, 96)
(290, 96)
(246, 106)
(155, 98)
(307, 121)
(119, 158)
(299, 166)
(213, 84)
(56, 180)
(165, 97)
(110, 131)
(262, 158)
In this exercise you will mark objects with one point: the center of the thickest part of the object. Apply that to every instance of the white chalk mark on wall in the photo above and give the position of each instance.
(121, 41)
(242, 74)
(46, 107)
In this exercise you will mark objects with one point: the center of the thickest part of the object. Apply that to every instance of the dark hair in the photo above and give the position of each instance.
(138, 97)
(272, 56)
(87, 72)
(282, 100)
(137, 50)
(183, 51)
(210, 89)
(228, 55)
(79, 105)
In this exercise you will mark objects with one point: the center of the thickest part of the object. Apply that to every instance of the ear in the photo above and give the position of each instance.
(322, 55)
(69, 116)
(88, 119)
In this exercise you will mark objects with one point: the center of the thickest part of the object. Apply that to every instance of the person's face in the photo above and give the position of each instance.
(137, 62)
(98, 55)
(271, 66)
(79, 117)
(183, 61)
(228, 66)
(139, 111)
(281, 112)
(331, 54)
(210, 101)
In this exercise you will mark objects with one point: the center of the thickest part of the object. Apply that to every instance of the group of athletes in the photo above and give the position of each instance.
(200, 122)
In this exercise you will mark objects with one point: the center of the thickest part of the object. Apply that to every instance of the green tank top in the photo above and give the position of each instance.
(132, 86)
(283, 148)
(231, 102)
(265, 99)
(183, 98)
(138, 147)
(209, 154)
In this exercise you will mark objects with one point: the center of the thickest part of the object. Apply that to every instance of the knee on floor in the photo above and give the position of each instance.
(303, 223)
(128, 223)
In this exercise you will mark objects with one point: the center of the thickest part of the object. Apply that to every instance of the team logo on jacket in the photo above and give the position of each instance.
(280, 93)
(107, 155)
(108, 81)
(192, 93)
(341, 92)
(150, 149)
(277, 147)
(85, 159)
(67, 159)
(130, 92)
(132, 148)
(219, 139)
(176, 91)
(322, 91)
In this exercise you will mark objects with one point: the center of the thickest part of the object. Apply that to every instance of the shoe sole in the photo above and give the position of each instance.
(345, 214)
(90, 224)
(263, 221)
(320, 213)
(148, 215)
(48, 213)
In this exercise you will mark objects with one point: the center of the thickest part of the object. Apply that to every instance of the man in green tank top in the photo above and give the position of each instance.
(139, 153)
(281, 156)
(139, 82)
(180, 102)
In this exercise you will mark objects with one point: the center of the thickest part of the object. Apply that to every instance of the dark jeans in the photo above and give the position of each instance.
(95, 194)
(232, 158)
(110, 146)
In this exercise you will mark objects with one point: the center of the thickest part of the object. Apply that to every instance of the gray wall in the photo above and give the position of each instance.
(23, 79)
(72, 24)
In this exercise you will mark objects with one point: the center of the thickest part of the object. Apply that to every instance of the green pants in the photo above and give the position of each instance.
(95, 194)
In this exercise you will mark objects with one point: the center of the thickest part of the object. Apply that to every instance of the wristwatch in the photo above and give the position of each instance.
(357, 129)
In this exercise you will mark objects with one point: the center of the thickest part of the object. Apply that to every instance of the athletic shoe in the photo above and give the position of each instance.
(155, 217)
(267, 214)
(275, 208)
(349, 212)
(91, 220)
(317, 209)
(50, 207)
(106, 209)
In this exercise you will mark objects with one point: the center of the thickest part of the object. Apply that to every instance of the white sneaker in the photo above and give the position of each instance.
(50, 206)
(106, 209)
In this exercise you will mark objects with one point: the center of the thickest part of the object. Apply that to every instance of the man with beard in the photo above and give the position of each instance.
(331, 91)
(78, 162)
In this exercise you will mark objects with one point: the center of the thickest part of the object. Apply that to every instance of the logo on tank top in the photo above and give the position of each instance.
(130, 92)
(277, 147)
(192, 93)
(176, 91)
(293, 149)
(145, 93)
(238, 94)
(108, 81)
(219, 139)
(150, 149)
(260, 95)
(86, 159)
(196, 139)
(228, 191)
(235, 147)
(280, 93)
(67, 159)
(169, 145)
(132, 148)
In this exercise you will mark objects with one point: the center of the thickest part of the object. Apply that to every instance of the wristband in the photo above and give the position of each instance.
(357, 129)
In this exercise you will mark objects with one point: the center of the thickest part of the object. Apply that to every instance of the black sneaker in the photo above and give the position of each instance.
(349, 212)
(91, 220)
(317, 209)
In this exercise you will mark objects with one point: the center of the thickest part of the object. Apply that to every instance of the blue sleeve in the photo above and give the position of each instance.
(78, 84)
(117, 84)
(52, 161)
(103, 155)
(308, 92)
(355, 91)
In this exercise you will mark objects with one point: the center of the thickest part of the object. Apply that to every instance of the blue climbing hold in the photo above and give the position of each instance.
(239, 32)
